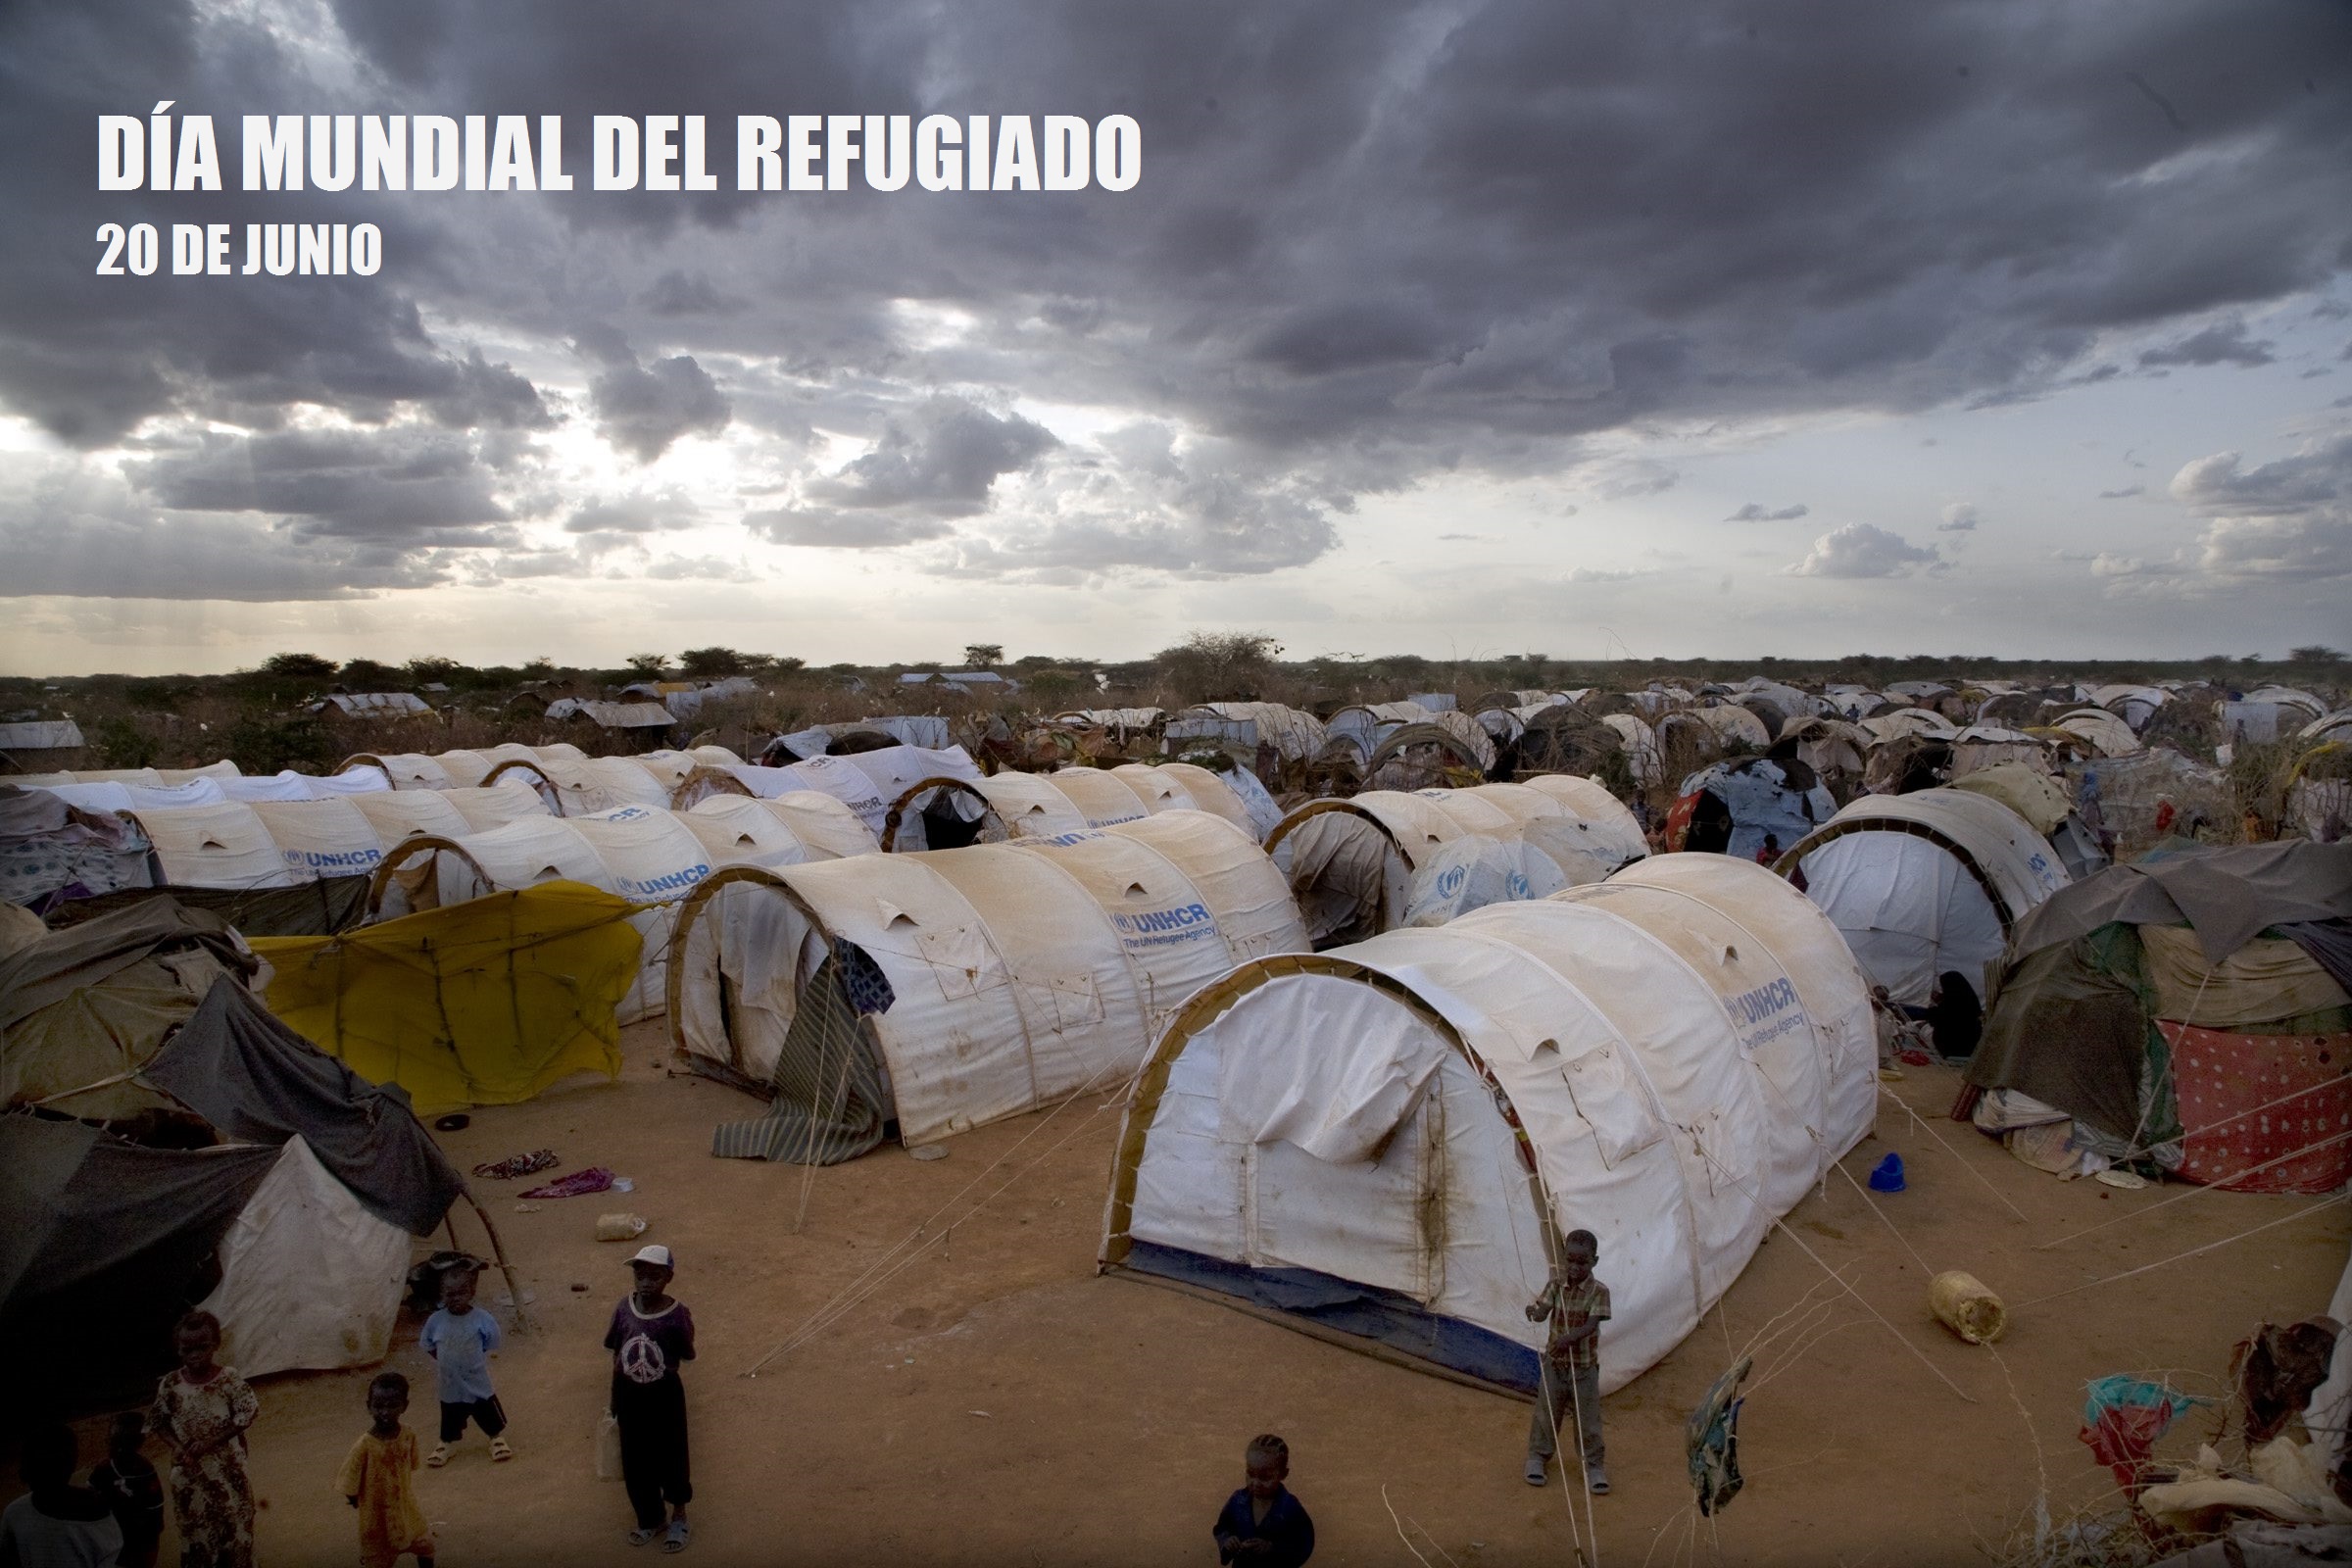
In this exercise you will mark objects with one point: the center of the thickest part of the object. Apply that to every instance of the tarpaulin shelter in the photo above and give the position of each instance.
(1733, 724)
(484, 1002)
(34, 744)
(1926, 884)
(2102, 731)
(1981, 746)
(925, 731)
(307, 1197)
(2191, 1005)
(128, 795)
(1383, 1143)
(305, 909)
(1749, 807)
(82, 1009)
(49, 847)
(2133, 704)
(1355, 866)
(1837, 753)
(1644, 758)
(646, 855)
(955, 988)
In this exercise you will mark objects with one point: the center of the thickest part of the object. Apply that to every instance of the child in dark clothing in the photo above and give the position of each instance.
(651, 1335)
(133, 1492)
(1263, 1526)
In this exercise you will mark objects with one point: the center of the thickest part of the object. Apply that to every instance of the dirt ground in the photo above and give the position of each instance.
(995, 1401)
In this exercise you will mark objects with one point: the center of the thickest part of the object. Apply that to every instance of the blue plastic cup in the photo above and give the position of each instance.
(1888, 1176)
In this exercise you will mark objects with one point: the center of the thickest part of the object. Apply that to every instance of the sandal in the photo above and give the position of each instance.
(638, 1537)
(677, 1536)
(438, 1457)
(498, 1449)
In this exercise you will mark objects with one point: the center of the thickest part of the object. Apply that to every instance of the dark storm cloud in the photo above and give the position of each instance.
(1374, 243)
(2222, 344)
(642, 409)
(406, 488)
(934, 463)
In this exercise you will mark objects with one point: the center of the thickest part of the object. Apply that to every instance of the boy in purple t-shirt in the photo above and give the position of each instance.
(652, 1334)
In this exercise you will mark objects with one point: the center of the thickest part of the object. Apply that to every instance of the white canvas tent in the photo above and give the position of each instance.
(1382, 859)
(1019, 972)
(1926, 884)
(222, 846)
(322, 838)
(1387, 1140)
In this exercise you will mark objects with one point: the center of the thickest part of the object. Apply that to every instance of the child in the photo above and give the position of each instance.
(375, 1481)
(201, 1412)
(1577, 1305)
(459, 1340)
(56, 1522)
(1263, 1526)
(133, 1492)
(651, 1335)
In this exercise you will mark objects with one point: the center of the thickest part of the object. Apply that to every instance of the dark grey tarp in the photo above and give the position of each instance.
(2069, 1027)
(45, 973)
(103, 1245)
(258, 1082)
(2229, 895)
(830, 1103)
(318, 908)
(2327, 942)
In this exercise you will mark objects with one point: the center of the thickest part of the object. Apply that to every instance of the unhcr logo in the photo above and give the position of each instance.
(655, 887)
(1754, 1006)
(1158, 920)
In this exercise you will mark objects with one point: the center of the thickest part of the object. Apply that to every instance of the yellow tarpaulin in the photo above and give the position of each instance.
(484, 1002)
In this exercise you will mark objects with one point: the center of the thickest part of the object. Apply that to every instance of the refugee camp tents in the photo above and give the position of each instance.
(1982, 746)
(1385, 1141)
(223, 846)
(2133, 704)
(587, 786)
(927, 731)
(1644, 759)
(315, 1265)
(1757, 806)
(946, 990)
(644, 853)
(1733, 724)
(1387, 858)
(1926, 885)
(1295, 736)
(290, 785)
(2190, 1007)
(50, 847)
(2134, 801)
(35, 745)
(2046, 803)
(312, 1182)
(819, 826)
(2107, 734)
(485, 1002)
(1837, 753)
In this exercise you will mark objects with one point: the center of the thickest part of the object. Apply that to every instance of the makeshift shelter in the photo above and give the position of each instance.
(373, 704)
(1384, 1143)
(307, 1198)
(312, 908)
(2103, 732)
(485, 1002)
(2190, 1009)
(585, 787)
(1273, 739)
(1926, 885)
(1562, 738)
(1364, 726)
(927, 731)
(1901, 722)
(1755, 807)
(1645, 760)
(2048, 806)
(118, 794)
(641, 724)
(51, 848)
(2132, 802)
(1837, 753)
(37, 746)
(1734, 725)
(1450, 748)
(1387, 859)
(1982, 746)
(82, 1009)
(946, 990)
(643, 853)
(2133, 704)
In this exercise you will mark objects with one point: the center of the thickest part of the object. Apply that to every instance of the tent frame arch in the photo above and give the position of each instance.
(1786, 865)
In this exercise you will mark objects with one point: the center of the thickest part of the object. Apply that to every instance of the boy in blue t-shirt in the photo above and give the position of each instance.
(459, 1339)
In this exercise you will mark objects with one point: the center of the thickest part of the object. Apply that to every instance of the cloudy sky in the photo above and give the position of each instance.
(1454, 328)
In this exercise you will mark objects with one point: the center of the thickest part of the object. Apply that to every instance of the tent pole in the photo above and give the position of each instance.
(498, 1250)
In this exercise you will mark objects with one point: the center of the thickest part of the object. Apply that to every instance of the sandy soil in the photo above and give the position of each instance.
(996, 1401)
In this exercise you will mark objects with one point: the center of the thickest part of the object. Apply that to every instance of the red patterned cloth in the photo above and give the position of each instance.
(2248, 1100)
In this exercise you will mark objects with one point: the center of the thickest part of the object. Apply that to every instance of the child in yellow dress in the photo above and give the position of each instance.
(375, 1481)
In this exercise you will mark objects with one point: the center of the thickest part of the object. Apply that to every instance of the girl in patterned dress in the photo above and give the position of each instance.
(201, 1412)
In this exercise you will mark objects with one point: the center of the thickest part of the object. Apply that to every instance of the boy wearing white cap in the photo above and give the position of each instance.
(651, 1335)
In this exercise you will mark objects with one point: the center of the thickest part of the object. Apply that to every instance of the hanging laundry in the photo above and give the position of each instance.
(1711, 1441)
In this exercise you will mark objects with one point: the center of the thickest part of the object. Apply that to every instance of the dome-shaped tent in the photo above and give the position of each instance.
(1388, 1139)
(965, 985)
(1354, 864)
(1926, 884)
